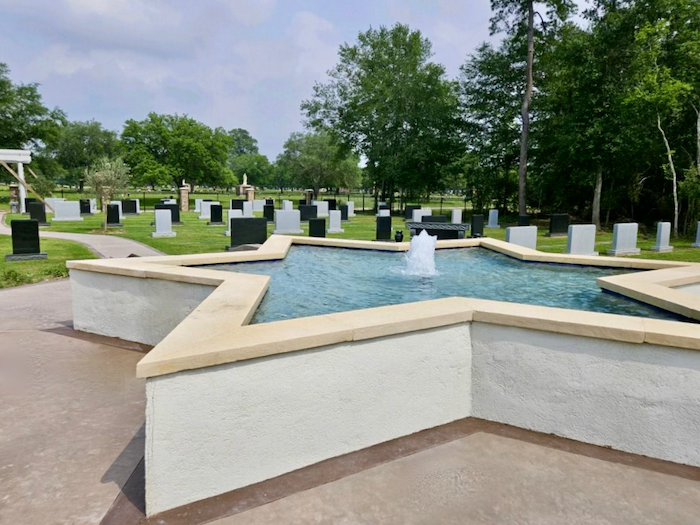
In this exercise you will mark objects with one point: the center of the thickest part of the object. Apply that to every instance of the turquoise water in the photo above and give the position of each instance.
(312, 281)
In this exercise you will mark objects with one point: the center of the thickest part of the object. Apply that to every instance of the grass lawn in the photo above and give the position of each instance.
(16, 273)
(196, 237)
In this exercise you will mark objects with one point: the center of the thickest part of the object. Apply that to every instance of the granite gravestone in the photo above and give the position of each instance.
(696, 244)
(434, 218)
(25, 241)
(625, 239)
(477, 225)
(259, 205)
(317, 227)
(216, 215)
(581, 239)
(384, 212)
(493, 219)
(409, 211)
(232, 214)
(85, 207)
(287, 221)
(164, 224)
(198, 205)
(174, 212)
(129, 206)
(287, 205)
(558, 224)
(321, 208)
(119, 205)
(248, 209)
(270, 202)
(332, 204)
(525, 236)
(351, 209)
(334, 222)
(456, 216)
(523, 220)
(301, 202)
(67, 211)
(247, 230)
(37, 212)
(419, 213)
(663, 238)
(308, 212)
(205, 210)
(237, 204)
(269, 212)
(113, 216)
(384, 228)
(27, 201)
(344, 213)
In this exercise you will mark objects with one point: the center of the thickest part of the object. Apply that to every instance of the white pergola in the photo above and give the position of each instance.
(19, 157)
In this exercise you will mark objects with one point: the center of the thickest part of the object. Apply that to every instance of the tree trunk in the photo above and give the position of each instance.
(669, 154)
(596, 198)
(697, 139)
(522, 169)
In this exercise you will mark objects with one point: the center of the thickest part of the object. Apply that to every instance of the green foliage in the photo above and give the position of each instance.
(256, 166)
(165, 149)
(242, 143)
(311, 160)
(107, 177)
(387, 102)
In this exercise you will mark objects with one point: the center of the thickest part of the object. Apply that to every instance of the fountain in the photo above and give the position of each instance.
(420, 259)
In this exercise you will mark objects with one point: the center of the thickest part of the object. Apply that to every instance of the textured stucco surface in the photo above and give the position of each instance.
(637, 398)
(217, 429)
(141, 310)
(690, 288)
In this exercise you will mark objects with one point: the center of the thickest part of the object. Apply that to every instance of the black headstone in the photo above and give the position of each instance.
(559, 224)
(434, 218)
(113, 215)
(308, 212)
(383, 207)
(174, 212)
(269, 212)
(237, 204)
(25, 240)
(216, 216)
(477, 226)
(85, 207)
(270, 202)
(301, 202)
(332, 204)
(129, 206)
(343, 212)
(248, 230)
(27, 200)
(37, 212)
(409, 210)
(523, 220)
(440, 234)
(317, 227)
(383, 228)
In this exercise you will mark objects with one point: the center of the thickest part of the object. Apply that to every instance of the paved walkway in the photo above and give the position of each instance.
(105, 246)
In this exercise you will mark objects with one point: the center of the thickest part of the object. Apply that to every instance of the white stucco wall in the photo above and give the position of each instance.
(637, 398)
(141, 310)
(216, 429)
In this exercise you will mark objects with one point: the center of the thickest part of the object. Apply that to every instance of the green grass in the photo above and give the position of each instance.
(196, 237)
(16, 273)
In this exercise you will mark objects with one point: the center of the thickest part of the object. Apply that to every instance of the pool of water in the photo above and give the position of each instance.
(313, 281)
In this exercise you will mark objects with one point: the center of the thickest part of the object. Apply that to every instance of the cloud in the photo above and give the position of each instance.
(250, 12)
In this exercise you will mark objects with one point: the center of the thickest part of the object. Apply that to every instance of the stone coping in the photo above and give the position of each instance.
(217, 331)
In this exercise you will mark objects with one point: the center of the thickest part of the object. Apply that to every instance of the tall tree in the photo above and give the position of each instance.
(242, 142)
(312, 160)
(388, 102)
(513, 16)
(255, 166)
(164, 149)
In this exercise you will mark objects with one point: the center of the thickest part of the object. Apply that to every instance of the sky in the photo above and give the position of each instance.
(230, 63)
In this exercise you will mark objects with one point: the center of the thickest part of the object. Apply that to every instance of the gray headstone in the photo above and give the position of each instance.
(581, 239)
(663, 238)
(334, 218)
(493, 219)
(164, 224)
(625, 239)
(287, 221)
(525, 236)
(696, 244)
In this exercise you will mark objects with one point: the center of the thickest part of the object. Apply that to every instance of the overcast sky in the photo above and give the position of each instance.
(231, 63)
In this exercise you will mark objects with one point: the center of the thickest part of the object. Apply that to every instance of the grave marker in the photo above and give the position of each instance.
(334, 218)
(525, 236)
(477, 226)
(269, 212)
(384, 228)
(317, 227)
(216, 215)
(113, 219)
(85, 207)
(351, 209)
(164, 224)
(558, 224)
(625, 239)
(37, 212)
(663, 237)
(493, 219)
(247, 230)
(581, 239)
(456, 216)
(308, 212)
(67, 211)
(25, 241)
(344, 212)
(287, 221)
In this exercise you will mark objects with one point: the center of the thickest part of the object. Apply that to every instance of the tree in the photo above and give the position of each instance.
(256, 166)
(512, 16)
(242, 142)
(81, 144)
(311, 160)
(107, 177)
(24, 120)
(164, 149)
(387, 102)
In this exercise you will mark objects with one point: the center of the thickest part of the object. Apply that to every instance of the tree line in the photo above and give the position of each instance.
(600, 119)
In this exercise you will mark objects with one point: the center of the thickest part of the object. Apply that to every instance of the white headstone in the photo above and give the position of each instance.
(493, 219)
(248, 209)
(138, 206)
(164, 224)
(287, 205)
(119, 205)
(696, 244)
(663, 237)
(51, 201)
(334, 218)
(205, 209)
(351, 209)
(198, 204)
(231, 214)
(288, 221)
(456, 216)
(525, 236)
(384, 213)
(581, 239)
(321, 208)
(170, 201)
(258, 205)
(67, 211)
(93, 205)
(625, 239)
(417, 215)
